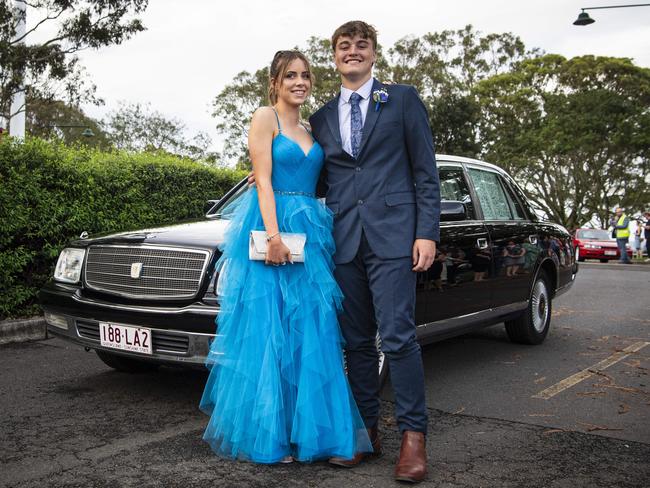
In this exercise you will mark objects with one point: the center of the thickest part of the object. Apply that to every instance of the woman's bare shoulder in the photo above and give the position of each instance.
(264, 118)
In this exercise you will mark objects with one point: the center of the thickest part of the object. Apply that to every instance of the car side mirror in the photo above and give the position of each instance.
(452, 210)
(209, 206)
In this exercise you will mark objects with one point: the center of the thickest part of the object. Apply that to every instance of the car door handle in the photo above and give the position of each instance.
(532, 239)
(482, 243)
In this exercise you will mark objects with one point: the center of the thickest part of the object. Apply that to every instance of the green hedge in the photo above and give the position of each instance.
(50, 193)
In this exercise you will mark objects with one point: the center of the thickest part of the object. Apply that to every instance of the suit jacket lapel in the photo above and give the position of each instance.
(332, 116)
(371, 116)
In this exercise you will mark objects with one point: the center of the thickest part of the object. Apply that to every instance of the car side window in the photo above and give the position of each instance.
(514, 202)
(521, 203)
(453, 187)
(491, 194)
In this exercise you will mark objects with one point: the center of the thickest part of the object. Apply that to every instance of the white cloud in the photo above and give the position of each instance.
(192, 49)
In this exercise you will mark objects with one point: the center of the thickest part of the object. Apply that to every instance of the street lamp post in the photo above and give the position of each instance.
(584, 19)
(17, 110)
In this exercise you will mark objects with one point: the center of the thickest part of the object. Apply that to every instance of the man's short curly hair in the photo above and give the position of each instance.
(356, 28)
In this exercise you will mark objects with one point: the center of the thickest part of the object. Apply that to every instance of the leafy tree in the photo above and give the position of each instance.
(575, 132)
(50, 69)
(234, 107)
(136, 127)
(54, 119)
(444, 67)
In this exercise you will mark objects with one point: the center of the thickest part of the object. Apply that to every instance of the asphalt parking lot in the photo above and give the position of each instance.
(598, 322)
(571, 412)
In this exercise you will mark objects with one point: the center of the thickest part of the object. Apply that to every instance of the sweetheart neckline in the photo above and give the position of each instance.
(305, 154)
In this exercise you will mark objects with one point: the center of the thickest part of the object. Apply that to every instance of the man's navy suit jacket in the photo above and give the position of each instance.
(391, 191)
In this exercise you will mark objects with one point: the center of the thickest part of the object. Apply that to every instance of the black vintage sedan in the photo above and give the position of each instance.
(149, 297)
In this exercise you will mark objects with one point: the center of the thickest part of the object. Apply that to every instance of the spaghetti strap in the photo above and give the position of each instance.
(277, 119)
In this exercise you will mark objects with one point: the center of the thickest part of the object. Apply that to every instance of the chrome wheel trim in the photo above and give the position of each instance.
(539, 306)
(380, 355)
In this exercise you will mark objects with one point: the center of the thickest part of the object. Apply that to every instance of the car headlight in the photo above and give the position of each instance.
(592, 246)
(68, 267)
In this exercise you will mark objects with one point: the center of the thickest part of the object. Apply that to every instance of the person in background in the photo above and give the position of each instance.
(621, 224)
(636, 242)
(647, 235)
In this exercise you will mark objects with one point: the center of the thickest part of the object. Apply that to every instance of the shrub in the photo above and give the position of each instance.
(50, 193)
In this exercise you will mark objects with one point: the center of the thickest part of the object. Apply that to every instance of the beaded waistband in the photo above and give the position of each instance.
(295, 193)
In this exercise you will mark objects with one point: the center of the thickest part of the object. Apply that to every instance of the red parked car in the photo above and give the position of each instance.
(596, 244)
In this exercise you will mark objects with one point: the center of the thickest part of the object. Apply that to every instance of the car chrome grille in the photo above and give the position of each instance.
(161, 341)
(166, 272)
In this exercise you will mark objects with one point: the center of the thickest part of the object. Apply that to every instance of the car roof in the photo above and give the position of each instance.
(462, 159)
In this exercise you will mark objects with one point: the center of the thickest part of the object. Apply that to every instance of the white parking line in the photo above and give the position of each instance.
(572, 380)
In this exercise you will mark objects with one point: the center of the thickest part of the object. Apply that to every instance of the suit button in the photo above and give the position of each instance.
(360, 202)
(357, 169)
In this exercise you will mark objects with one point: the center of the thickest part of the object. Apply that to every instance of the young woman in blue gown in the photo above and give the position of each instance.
(277, 389)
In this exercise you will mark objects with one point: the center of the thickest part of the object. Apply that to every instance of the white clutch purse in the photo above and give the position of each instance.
(258, 245)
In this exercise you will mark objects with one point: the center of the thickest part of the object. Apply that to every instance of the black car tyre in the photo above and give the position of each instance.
(604, 260)
(124, 364)
(532, 326)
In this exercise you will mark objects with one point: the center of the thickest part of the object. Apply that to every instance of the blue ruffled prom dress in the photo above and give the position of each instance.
(277, 385)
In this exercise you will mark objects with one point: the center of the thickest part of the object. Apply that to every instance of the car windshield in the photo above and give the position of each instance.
(226, 209)
(230, 204)
(599, 234)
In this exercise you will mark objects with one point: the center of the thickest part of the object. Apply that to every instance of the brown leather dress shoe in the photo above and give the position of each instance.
(412, 464)
(360, 456)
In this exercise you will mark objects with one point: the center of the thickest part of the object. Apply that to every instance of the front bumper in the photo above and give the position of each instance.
(181, 335)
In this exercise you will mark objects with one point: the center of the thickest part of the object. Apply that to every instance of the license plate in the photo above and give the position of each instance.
(610, 253)
(134, 339)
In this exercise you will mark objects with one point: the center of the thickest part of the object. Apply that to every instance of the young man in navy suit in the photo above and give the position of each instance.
(380, 180)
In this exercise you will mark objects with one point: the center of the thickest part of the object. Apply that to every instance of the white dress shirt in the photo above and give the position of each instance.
(345, 110)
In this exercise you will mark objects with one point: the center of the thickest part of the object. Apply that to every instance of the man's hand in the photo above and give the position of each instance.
(424, 252)
(251, 179)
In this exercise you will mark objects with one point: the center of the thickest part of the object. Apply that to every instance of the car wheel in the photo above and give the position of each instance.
(124, 364)
(582, 260)
(383, 362)
(604, 260)
(532, 326)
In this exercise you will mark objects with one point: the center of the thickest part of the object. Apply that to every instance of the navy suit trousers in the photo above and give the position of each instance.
(379, 296)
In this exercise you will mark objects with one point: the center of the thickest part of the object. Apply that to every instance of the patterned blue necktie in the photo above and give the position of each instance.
(356, 124)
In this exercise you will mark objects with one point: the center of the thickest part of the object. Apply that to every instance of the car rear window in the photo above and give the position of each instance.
(594, 234)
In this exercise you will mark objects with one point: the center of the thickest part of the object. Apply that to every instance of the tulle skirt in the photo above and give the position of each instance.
(277, 385)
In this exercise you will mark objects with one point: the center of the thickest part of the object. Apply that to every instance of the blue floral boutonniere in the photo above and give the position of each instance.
(379, 97)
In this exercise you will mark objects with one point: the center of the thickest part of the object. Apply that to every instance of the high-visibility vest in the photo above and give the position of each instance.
(622, 233)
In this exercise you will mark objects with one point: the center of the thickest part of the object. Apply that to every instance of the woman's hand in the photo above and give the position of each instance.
(277, 253)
